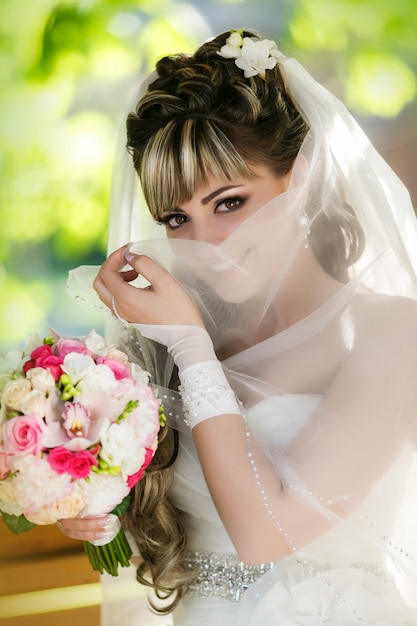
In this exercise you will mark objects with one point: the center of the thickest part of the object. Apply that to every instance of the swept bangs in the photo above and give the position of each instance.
(180, 157)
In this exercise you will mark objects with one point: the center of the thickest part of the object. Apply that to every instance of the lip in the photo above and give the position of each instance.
(224, 266)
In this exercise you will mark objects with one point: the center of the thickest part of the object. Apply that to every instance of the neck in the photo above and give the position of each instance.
(306, 288)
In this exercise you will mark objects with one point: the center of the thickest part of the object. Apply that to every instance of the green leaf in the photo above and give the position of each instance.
(121, 508)
(17, 524)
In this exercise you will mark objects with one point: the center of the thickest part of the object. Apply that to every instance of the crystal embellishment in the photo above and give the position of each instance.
(223, 575)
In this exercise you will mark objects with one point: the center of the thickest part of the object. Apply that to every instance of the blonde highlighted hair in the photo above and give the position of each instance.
(202, 117)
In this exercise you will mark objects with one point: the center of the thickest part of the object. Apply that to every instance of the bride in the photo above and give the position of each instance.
(278, 320)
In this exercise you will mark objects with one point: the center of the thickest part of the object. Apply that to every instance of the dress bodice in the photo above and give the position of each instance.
(274, 422)
(337, 578)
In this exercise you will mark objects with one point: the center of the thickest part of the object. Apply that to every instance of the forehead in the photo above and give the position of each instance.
(260, 179)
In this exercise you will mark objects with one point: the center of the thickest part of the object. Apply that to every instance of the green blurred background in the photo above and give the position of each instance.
(67, 70)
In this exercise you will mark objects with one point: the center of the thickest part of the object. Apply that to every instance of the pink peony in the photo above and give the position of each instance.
(66, 346)
(22, 434)
(80, 465)
(36, 484)
(137, 476)
(60, 459)
(102, 492)
(120, 370)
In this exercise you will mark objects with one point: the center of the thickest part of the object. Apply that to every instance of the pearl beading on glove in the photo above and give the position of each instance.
(205, 393)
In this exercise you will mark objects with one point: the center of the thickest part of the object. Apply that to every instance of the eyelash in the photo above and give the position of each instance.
(166, 219)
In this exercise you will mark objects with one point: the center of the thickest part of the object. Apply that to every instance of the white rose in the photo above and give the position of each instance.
(41, 379)
(34, 402)
(119, 443)
(13, 393)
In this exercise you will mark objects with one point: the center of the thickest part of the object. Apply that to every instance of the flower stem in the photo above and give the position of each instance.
(108, 557)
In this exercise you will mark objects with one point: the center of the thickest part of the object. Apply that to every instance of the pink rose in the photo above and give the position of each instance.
(43, 356)
(60, 459)
(66, 346)
(28, 366)
(81, 463)
(22, 434)
(120, 370)
(136, 477)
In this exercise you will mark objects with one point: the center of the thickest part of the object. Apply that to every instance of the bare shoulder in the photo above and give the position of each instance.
(386, 324)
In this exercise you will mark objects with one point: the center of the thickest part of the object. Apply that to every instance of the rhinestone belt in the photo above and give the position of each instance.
(223, 575)
(226, 576)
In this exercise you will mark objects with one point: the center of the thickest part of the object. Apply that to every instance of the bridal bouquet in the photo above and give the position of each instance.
(79, 425)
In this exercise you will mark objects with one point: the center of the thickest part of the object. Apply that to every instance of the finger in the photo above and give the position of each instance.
(105, 293)
(156, 275)
(112, 283)
(86, 529)
(112, 270)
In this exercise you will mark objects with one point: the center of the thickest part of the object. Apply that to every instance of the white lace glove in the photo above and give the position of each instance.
(204, 389)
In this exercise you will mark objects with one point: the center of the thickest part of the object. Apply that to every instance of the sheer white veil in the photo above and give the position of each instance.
(338, 179)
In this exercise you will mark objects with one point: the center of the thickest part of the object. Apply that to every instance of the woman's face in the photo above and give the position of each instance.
(216, 210)
(240, 251)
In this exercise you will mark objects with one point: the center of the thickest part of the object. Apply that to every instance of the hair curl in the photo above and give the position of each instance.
(157, 527)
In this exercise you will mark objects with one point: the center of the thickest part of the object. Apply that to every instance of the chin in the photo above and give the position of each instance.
(234, 288)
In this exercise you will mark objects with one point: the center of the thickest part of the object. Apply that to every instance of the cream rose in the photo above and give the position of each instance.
(117, 355)
(41, 379)
(34, 402)
(13, 393)
(68, 506)
(8, 500)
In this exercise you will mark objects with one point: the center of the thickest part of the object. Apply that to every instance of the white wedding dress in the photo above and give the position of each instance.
(338, 579)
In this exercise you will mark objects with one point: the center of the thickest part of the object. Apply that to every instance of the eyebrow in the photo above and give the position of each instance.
(215, 193)
(206, 199)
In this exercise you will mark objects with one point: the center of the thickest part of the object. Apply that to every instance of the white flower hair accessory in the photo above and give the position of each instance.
(251, 55)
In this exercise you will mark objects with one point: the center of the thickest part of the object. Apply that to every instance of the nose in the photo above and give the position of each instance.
(207, 231)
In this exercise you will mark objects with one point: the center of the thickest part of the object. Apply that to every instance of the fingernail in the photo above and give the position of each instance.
(129, 256)
(107, 521)
(107, 535)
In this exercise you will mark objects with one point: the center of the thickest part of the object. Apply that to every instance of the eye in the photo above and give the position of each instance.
(229, 204)
(174, 220)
